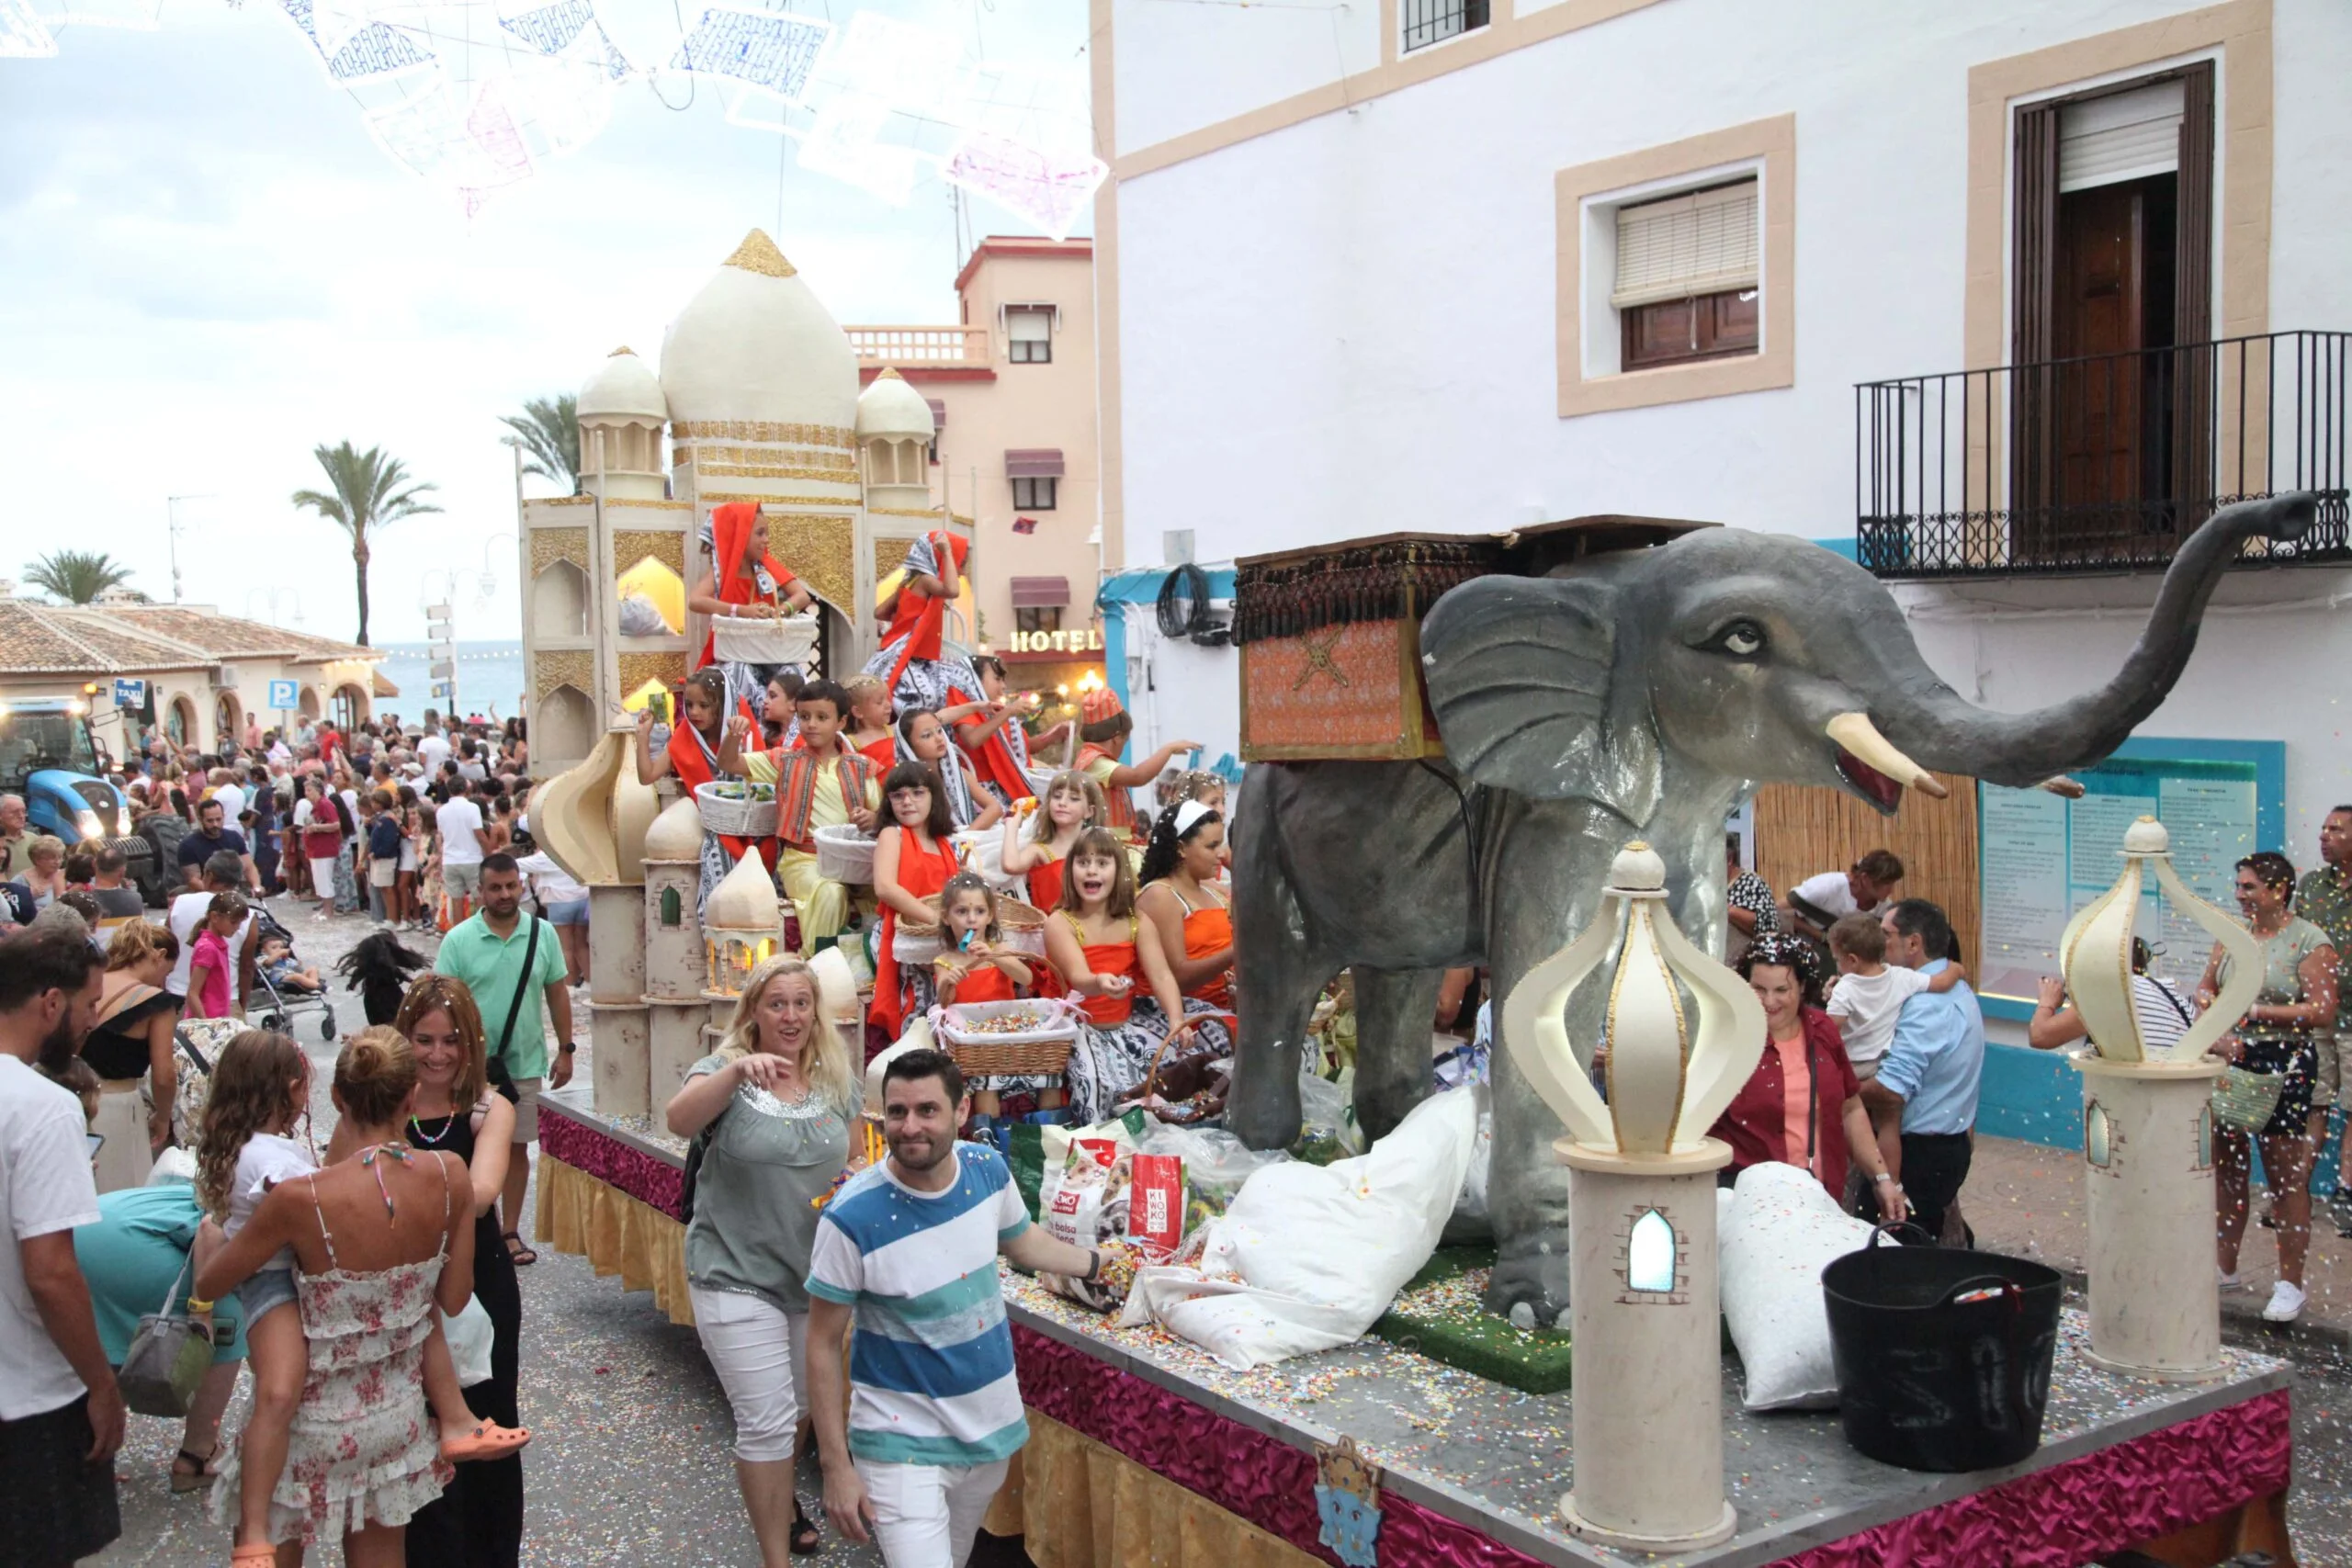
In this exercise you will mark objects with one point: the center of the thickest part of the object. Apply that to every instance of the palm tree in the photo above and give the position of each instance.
(77, 576)
(548, 433)
(368, 490)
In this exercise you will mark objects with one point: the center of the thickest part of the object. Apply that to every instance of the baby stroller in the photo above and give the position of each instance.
(277, 1012)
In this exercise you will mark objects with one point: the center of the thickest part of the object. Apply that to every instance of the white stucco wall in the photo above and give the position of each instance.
(1181, 67)
(1357, 314)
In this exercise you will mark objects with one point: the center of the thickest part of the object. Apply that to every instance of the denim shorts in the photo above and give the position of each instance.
(265, 1289)
(574, 913)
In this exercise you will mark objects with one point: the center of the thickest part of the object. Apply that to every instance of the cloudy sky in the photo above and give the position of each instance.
(208, 267)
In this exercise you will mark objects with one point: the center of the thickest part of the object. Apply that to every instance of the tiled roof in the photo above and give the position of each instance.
(55, 640)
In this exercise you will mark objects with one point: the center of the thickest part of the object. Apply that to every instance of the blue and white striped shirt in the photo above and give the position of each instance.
(930, 1368)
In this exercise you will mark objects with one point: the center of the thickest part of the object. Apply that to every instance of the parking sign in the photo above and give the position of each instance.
(281, 696)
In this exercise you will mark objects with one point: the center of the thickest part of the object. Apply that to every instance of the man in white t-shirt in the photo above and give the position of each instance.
(225, 873)
(1819, 902)
(61, 1411)
(463, 844)
(431, 751)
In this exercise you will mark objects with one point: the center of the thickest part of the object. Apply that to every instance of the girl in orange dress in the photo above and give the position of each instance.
(868, 732)
(912, 859)
(1106, 951)
(977, 968)
(1179, 895)
(1073, 803)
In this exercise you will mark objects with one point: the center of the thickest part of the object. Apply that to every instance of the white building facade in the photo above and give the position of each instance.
(1468, 264)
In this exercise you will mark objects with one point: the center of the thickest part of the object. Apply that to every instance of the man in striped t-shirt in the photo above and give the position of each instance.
(916, 1446)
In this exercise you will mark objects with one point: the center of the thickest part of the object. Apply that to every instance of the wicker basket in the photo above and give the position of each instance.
(1022, 925)
(1040, 1050)
(752, 639)
(844, 854)
(735, 818)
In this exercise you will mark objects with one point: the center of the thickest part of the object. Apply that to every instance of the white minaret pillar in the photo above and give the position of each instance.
(1647, 1417)
(2148, 1129)
(616, 999)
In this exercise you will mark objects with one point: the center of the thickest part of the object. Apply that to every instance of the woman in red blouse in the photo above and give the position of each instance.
(1802, 1105)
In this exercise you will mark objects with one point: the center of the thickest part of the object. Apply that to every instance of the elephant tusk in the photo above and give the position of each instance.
(1860, 737)
(2072, 789)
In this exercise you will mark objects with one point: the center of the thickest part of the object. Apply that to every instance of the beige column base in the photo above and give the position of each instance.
(623, 1086)
(674, 962)
(677, 1031)
(1647, 1414)
(616, 945)
(2154, 1299)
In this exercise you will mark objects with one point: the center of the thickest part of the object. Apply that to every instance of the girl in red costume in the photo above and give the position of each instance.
(693, 755)
(743, 578)
(912, 859)
(923, 672)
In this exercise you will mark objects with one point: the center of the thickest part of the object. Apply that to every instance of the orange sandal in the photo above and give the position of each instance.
(260, 1551)
(487, 1441)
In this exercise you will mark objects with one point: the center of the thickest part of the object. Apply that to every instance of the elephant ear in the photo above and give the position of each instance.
(1525, 675)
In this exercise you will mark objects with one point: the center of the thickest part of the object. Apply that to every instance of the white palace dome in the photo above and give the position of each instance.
(624, 387)
(757, 345)
(889, 409)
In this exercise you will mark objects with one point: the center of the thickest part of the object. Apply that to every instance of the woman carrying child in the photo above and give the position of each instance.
(1073, 803)
(743, 580)
(1105, 950)
(695, 742)
(343, 1444)
(975, 966)
(922, 737)
(912, 859)
(478, 1521)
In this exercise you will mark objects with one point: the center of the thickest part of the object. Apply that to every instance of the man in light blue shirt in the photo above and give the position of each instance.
(1932, 1069)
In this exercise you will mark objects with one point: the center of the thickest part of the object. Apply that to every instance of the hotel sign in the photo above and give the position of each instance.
(1086, 641)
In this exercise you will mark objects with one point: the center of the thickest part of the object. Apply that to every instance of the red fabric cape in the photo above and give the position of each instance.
(919, 619)
(731, 526)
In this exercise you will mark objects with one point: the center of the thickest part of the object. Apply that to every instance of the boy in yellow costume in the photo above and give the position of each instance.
(819, 782)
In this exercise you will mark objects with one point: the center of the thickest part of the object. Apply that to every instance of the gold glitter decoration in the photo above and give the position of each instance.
(714, 497)
(821, 551)
(830, 458)
(763, 472)
(839, 436)
(637, 669)
(758, 254)
(572, 667)
(559, 501)
(623, 349)
(631, 545)
(551, 545)
(914, 512)
(648, 504)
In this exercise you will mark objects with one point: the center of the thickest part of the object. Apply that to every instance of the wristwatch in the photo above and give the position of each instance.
(566, 1048)
(1093, 1264)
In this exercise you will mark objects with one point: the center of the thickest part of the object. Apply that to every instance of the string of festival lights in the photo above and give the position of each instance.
(474, 95)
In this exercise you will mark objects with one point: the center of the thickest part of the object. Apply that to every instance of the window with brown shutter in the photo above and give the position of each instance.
(1688, 271)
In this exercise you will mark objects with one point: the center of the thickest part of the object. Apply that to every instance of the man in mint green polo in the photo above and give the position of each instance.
(503, 954)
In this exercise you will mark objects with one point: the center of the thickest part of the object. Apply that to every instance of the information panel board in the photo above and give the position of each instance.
(2042, 857)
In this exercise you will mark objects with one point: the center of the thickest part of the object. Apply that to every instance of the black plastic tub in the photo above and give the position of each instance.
(1942, 1356)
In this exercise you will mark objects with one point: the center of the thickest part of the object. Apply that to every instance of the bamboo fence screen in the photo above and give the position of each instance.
(1804, 829)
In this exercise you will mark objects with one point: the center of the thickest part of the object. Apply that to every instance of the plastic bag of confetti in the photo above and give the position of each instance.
(1084, 1200)
(1308, 1257)
(1326, 1121)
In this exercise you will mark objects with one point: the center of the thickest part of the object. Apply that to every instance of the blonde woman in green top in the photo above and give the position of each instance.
(777, 1098)
(2297, 1000)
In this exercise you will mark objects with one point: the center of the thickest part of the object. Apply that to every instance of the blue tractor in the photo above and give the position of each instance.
(48, 756)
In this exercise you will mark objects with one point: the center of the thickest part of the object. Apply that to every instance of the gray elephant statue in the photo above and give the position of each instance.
(1641, 693)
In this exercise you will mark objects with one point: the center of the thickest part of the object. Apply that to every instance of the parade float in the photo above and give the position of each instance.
(1503, 715)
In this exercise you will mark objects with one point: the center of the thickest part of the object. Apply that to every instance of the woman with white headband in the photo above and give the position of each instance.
(1180, 897)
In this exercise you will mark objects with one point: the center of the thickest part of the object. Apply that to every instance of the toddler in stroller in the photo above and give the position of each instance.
(290, 985)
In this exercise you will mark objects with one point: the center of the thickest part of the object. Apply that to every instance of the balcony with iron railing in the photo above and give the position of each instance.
(2099, 464)
(936, 347)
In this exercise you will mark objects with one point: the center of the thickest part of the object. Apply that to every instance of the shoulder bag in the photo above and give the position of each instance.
(500, 1077)
(168, 1357)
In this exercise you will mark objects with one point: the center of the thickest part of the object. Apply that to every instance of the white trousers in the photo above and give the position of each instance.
(761, 1353)
(925, 1516)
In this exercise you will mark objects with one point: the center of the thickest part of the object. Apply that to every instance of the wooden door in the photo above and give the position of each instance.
(2099, 279)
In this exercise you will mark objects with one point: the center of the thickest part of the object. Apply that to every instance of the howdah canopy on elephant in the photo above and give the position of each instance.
(1624, 694)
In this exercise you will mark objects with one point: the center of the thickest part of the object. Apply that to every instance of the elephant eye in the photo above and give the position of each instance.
(1741, 638)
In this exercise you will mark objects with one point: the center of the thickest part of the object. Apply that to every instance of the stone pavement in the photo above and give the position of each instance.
(2026, 1199)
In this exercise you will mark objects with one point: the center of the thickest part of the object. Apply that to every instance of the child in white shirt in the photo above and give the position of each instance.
(1865, 999)
(261, 1089)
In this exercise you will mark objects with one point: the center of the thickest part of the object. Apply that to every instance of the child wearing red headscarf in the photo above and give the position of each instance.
(742, 578)
(1104, 727)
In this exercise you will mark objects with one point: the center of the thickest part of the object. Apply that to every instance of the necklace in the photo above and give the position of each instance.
(417, 1132)
(400, 1152)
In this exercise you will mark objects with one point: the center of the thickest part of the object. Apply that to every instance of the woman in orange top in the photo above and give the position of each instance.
(1180, 896)
(1105, 949)
(912, 859)
(1073, 803)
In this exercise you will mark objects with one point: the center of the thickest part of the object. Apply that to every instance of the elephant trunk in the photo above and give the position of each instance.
(1930, 722)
